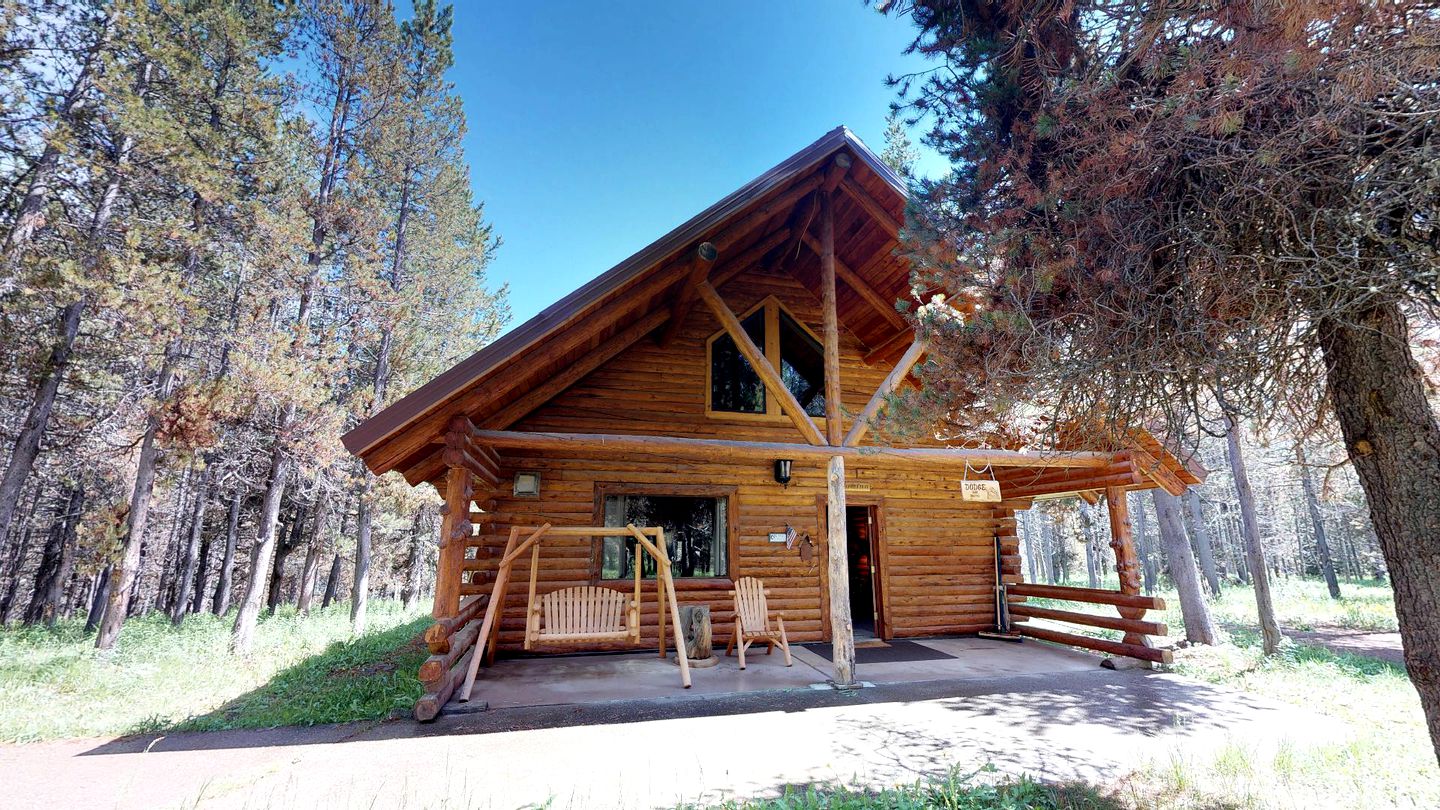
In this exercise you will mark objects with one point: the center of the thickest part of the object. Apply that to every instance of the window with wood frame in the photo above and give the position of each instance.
(697, 533)
(733, 386)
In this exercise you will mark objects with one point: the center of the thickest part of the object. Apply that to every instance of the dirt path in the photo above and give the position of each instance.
(1094, 726)
(1383, 646)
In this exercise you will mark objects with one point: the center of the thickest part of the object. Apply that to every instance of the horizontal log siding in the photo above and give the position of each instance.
(938, 557)
(937, 552)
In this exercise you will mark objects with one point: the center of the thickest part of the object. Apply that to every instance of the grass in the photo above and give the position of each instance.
(304, 670)
(960, 790)
(1383, 758)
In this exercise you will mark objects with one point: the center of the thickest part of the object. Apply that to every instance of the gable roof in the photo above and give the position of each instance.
(403, 431)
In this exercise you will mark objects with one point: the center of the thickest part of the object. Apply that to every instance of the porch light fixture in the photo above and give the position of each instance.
(782, 471)
(527, 485)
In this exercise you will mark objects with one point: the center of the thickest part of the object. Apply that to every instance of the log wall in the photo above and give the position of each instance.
(936, 551)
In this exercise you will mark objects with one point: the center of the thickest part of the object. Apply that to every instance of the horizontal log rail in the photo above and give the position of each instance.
(1094, 596)
(1125, 602)
(1098, 644)
(1093, 620)
(452, 641)
(437, 635)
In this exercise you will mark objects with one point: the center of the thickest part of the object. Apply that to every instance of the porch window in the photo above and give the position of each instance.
(696, 535)
(790, 347)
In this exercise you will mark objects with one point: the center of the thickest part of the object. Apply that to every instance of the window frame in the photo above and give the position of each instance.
(732, 524)
(774, 412)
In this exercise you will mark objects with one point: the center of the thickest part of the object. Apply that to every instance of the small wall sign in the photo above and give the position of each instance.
(984, 491)
(777, 537)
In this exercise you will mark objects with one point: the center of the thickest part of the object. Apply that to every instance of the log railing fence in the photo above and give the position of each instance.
(451, 641)
(1130, 625)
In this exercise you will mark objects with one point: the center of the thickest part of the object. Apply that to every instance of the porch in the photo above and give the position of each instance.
(532, 681)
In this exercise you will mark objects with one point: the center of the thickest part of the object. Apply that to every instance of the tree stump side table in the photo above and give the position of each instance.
(695, 629)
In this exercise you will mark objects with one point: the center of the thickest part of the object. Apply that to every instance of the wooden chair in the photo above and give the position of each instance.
(752, 620)
(582, 614)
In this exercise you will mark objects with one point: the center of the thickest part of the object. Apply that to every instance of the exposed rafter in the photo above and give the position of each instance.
(859, 285)
(881, 395)
(701, 260)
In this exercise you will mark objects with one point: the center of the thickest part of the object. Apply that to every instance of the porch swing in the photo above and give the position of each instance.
(580, 614)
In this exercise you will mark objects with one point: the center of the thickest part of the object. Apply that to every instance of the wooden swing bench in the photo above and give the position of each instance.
(583, 614)
(580, 614)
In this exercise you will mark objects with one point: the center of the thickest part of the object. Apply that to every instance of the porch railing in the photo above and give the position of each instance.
(1131, 621)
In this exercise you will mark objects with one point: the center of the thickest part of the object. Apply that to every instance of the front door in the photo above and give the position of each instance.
(863, 566)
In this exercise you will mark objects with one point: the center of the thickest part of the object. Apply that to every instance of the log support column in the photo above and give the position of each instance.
(1127, 564)
(842, 631)
(455, 526)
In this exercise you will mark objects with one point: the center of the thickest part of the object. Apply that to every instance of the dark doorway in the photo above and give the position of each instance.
(860, 543)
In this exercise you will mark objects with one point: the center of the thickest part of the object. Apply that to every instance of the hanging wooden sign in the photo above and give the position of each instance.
(984, 491)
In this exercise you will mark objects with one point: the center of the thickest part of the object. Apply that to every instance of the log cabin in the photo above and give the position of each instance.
(720, 385)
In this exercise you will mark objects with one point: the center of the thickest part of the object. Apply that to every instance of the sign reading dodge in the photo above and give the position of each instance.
(980, 491)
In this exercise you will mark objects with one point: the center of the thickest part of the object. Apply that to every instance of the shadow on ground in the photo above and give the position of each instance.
(1131, 702)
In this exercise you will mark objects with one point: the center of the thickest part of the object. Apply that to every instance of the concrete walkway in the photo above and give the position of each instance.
(1095, 725)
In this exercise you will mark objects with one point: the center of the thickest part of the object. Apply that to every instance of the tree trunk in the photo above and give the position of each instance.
(1317, 523)
(98, 600)
(1194, 512)
(18, 572)
(1143, 548)
(1199, 627)
(202, 575)
(242, 636)
(1092, 559)
(56, 558)
(287, 543)
(415, 567)
(190, 554)
(1391, 434)
(125, 571)
(227, 561)
(360, 587)
(27, 443)
(332, 583)
(309, 572)
(1270, 636)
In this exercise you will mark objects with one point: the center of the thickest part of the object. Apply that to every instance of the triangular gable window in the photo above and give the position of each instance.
(735, 388)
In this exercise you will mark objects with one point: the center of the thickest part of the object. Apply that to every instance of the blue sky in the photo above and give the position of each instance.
(597, 127)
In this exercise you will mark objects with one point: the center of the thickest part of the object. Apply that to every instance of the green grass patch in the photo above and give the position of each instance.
(960, 790)
(1382, 758)
(304, 670)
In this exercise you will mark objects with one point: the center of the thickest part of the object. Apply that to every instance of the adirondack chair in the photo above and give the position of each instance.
(582, 614)
(752, 620)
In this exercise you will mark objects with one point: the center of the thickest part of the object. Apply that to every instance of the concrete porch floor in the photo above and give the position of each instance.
(566, 679)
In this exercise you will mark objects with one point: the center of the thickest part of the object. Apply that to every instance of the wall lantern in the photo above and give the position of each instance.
(527, 485)
(782, 471)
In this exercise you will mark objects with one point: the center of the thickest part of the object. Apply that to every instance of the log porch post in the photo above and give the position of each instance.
(455, 524)
(842, 631)
(1127, 565)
